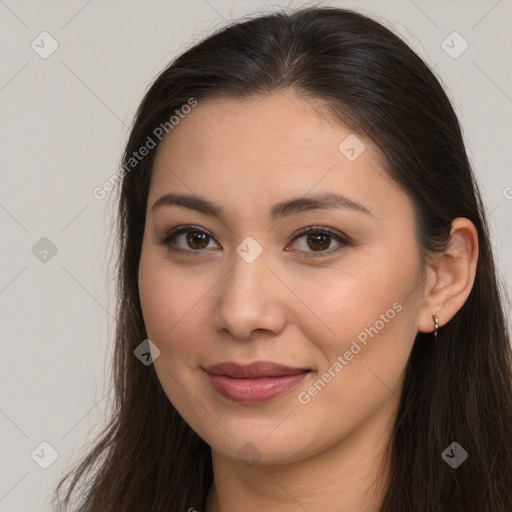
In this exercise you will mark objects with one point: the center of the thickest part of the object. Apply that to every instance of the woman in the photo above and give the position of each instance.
(309, 316)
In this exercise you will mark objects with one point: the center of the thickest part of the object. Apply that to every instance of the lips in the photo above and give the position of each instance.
(257, 382)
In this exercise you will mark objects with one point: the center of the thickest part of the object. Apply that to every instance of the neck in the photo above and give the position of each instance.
(350, 476)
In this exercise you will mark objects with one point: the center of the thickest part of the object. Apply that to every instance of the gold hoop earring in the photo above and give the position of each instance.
(436, 325)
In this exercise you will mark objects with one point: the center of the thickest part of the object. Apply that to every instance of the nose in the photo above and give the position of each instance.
(249, 299)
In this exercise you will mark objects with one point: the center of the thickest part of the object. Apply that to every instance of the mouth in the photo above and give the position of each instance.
(254, 383)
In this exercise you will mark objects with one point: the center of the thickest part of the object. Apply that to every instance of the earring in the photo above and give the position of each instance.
(436, 325)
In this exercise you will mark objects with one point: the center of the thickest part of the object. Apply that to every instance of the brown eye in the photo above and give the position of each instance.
(197, 239)
(187, 239)
(317, 241)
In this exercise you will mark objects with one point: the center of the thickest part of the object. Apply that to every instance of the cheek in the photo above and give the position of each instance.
(363, 362)
(371, 313)
(371, 297)
(172, 302)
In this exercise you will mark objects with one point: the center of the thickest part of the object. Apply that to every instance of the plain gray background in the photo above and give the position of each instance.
(64, 124)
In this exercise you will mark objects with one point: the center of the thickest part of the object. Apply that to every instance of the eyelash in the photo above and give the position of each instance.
(343, 240)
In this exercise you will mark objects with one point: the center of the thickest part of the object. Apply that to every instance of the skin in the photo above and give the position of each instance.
(206, 308)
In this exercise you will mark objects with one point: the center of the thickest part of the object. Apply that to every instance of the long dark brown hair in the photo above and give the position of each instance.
(456, 389)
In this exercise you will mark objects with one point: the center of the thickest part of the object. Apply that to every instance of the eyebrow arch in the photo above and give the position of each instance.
(325, 201)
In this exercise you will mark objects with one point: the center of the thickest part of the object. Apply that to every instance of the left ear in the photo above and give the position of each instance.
(450, 279)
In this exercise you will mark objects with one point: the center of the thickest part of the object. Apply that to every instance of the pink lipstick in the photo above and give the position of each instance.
(254, 383)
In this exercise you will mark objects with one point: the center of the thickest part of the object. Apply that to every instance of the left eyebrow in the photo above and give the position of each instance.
(326, 201)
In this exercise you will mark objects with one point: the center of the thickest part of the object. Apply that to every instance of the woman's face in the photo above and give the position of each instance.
(338, 306)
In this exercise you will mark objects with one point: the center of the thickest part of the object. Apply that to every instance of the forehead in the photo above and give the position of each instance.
(262, 150)
(282, 122)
